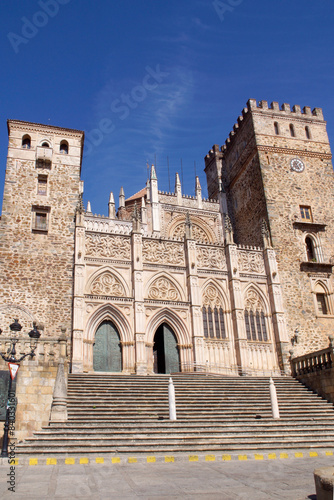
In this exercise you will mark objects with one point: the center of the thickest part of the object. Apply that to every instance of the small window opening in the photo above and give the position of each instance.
(26, 142)
(322, 303)
(45, 145)
(311, 256)
(42, 185)
(63, 148)
(305, 213)
(276, 128)
(307, 133)
(292, 130)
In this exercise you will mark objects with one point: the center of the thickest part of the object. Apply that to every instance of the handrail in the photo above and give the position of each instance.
(314, 361)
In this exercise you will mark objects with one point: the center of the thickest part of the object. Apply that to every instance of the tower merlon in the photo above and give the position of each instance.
(284, 109)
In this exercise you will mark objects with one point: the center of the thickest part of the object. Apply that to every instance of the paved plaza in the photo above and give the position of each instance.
(290, 479)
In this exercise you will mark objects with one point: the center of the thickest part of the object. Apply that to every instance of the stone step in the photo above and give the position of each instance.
(170, 448)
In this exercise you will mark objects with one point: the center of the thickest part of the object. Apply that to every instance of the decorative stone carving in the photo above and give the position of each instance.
(251, 262)
(113, 247)
(198, 233)
(265, 234)
(163, 252)
(211, 258)
(212, 297)
(253, 301)
(107, 284)
(163, 289)
(228, 230)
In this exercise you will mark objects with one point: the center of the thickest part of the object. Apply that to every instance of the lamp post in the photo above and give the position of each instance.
(10, 357)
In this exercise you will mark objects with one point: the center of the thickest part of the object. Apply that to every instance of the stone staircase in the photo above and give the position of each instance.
(129, 414)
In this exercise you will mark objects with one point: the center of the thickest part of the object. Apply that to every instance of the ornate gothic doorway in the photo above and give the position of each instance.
(107, 353)
(166, 357)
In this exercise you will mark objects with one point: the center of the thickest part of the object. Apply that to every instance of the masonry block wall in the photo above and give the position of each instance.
(42, 188)
(276, 165)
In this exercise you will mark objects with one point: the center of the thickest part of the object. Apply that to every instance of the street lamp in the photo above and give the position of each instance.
(10, 357)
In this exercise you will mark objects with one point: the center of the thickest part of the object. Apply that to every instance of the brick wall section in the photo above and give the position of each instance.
(36, 269)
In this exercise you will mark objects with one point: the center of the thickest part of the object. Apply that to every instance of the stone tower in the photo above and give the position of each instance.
(276, 170)
(42, 191)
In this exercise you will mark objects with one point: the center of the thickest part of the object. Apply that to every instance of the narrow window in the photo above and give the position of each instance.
(305, 213)
(222, 323)
(26, 142)
(63, 147)
(292, 130)
(40, 219)
(264, 328)
(307, 133)
(205, 322)
(252, 322)
(217, 323)
(276, 128)
(210, 322)
(258, 326)
(247, 326)
(322, 303)
(42, 184)
(311, 257)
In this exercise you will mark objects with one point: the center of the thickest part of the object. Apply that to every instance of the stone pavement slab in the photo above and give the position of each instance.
(246, 480)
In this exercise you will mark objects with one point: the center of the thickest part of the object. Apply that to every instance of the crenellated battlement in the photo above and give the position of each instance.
(274, 110)
(285, 109)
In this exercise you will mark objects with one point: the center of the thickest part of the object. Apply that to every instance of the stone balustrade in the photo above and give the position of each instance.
(313, 362)
(48, 350)
(316, 370)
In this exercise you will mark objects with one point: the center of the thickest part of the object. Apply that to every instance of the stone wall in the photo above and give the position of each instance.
(35, 382)
(260, 183)
(36, 265)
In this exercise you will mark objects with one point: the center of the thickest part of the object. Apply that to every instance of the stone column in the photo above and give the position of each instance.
(194, 294)
(236, 303)
(139, 308)
(277, 310)
(78, 300)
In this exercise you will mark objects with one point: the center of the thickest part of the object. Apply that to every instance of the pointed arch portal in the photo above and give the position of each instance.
(166, 357)
(107, 353)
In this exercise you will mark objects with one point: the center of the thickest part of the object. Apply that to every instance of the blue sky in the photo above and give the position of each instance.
(83, 61)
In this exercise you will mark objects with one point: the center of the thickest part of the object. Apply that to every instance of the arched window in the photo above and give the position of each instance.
(45, 145)
(255, 321)
(322, 300)
(63, 147)
(292, 130)
(26, 142)
(213, 323)
(310, 249)
(214, 326)
(307, 133)
(276, 128)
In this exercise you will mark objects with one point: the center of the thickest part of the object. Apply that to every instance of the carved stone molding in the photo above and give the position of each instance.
(253, 301)
(113, 247)
(212, 297)
(251, 262)
(107, 284)
(163, 252)
(163, 289)
(199, 234)
(211, 258)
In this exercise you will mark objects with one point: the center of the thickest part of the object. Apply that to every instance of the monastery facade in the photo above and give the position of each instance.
(167, 282)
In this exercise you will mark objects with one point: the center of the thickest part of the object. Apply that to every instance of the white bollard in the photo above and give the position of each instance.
(273, 399)
(171, 400)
